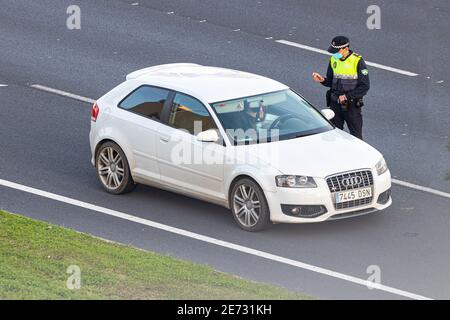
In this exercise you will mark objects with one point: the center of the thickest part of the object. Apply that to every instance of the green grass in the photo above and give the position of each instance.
(34, 257)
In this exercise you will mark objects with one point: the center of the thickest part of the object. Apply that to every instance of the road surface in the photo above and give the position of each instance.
(44, 136)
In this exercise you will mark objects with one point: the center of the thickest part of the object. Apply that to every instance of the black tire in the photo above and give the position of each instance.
(122, 170)
(263, 220)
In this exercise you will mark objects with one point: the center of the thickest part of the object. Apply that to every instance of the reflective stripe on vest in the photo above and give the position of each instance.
(345, 73)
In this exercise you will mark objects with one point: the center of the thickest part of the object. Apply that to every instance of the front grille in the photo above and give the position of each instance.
(335, 184)
(353, 203)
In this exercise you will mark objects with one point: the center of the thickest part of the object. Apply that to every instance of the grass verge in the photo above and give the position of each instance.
(35, 256)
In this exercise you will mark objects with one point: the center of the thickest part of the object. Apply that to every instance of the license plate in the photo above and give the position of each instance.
(355, 194)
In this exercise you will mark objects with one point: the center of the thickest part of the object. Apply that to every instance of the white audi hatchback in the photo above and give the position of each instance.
(236, 139)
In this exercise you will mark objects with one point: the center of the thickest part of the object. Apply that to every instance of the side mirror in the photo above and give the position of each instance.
(328, 113)
(208, 136)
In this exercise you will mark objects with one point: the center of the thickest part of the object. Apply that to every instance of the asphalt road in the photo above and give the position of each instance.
(44, 137)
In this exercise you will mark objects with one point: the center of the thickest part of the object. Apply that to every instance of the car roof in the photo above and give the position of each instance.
(211, 84)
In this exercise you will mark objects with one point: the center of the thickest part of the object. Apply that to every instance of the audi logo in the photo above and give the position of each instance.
(352, 181)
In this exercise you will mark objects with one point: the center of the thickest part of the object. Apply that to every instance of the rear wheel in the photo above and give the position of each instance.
(249, 205)
(113, 170)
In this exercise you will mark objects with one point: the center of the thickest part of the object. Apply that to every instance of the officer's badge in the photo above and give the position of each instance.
(334, 64)
(365, 72)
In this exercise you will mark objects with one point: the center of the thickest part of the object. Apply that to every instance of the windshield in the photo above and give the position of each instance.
(269, 117)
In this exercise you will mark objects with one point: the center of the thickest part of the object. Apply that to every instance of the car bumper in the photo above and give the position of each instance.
(321, 196)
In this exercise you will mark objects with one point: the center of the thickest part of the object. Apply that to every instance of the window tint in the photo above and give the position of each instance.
(147, 101)
(187, 112)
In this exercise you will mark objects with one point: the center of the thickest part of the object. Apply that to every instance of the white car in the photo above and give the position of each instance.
(236, 139)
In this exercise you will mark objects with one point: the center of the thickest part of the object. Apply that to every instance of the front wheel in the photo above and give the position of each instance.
(113, 170)
(249, 205)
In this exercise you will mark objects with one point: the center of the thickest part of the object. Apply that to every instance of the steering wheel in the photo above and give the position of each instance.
(281, 119)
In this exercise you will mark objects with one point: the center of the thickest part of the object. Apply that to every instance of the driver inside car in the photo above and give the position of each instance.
(245, 124)
(252, 116)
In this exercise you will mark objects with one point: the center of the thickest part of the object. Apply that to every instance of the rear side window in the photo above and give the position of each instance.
(147, 101)
(190, 114)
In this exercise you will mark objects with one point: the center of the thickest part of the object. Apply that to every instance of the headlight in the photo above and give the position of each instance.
(381, 166)
(295, 182)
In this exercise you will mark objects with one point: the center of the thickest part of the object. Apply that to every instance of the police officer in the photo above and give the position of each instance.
(348, 80)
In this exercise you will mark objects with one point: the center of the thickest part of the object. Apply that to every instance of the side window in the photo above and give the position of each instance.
(187, 112)
(147, 101)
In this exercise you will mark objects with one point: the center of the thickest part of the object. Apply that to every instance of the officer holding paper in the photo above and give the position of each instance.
(348, 80)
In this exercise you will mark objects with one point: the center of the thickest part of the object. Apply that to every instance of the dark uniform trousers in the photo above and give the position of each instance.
(352, 116)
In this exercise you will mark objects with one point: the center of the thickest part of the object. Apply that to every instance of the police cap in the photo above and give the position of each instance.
(337, 43)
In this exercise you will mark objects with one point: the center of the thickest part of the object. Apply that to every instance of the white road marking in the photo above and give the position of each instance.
(3, 85)
(89, 100)
(62, 93)
(207, 239)
(421, 188)
(373, 64)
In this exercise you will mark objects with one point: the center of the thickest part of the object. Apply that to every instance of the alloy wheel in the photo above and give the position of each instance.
(247, 207)
(110, 167)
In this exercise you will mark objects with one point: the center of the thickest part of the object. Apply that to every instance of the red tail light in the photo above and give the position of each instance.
(95, 111)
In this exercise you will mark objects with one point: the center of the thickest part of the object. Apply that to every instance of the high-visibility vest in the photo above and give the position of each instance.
(345, 73)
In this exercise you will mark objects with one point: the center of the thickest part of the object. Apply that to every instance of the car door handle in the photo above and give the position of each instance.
(164, 139)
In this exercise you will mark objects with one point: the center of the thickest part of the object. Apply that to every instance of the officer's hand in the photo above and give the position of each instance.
(317, 77)
(342, 99)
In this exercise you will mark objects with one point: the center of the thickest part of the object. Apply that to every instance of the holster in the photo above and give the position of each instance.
(359, 103)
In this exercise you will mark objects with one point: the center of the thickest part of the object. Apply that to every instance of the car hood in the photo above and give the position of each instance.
(317, 155)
